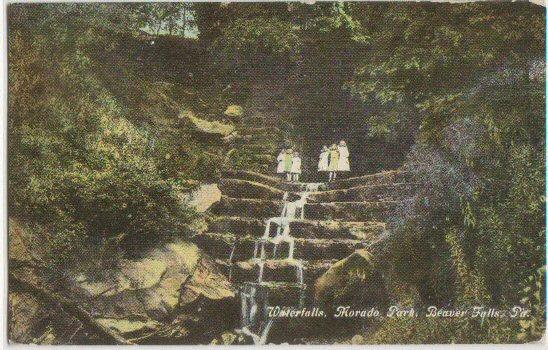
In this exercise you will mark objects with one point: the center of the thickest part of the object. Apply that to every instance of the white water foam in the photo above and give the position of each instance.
(250, 305)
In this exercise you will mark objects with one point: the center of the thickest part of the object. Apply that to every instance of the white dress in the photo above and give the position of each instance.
(344, 164)
(323, 164)
(296, 165)
(280, 159)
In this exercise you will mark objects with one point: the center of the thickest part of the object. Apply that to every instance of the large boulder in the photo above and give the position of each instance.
(352, 280)
(160, 296)
(353, 283)
(171, 294)
(232, 338)
(204, 196)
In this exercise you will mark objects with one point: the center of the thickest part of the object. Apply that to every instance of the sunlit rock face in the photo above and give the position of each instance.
(203, 197)
(361, 266)
(149, 297)
(206, 128)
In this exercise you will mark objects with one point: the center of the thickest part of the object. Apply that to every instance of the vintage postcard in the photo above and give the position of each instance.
(184, 173)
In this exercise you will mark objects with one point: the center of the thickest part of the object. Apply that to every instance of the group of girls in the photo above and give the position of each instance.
(333, 159)
(289, 163)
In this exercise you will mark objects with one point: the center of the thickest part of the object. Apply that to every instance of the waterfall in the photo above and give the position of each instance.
(274, 250)
(291, 248)
(254, 293)
(263, 256)
(313, 186)
(264, 334)
(259, 340)
(248, 303)
(255, 249)
(261, 271)
(300, 274)
(231, 257)
(266, 233)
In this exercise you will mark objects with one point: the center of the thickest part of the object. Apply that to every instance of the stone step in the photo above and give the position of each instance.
(275, 293)
(264, 139)
(350, 211)
(241, 226)
(223, 245)
(365, 231)
(272, 181)
(366, 193)
(237, 188)
(254, 131)
(246, 207)
(237, 225)
(338, 211)
(267, 158)
(252, 141)
(257, 177)
(279, 270)
(259, 147)
(385, 177)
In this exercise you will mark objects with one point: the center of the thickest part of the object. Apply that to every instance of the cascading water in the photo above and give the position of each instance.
(254, 294)
(230, 259)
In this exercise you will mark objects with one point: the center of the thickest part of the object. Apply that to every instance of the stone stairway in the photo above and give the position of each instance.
(338, 218)
(253, 144)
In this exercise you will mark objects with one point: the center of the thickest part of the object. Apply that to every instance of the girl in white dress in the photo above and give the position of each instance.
(333, 162)
(323, 164)
(288, 161)
(344, 163)
(295, 167)
(280, 159)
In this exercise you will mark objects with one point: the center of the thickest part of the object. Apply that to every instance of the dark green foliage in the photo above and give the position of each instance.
(81, 161)
(100, 148)
(435, 330)
(458, 86)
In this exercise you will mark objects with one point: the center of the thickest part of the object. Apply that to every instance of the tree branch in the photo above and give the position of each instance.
(68, 306)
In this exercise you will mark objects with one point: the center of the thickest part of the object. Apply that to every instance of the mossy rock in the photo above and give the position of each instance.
(128, 327)
(212, 128)
(231, 338)
(234, 111)
(143, 295)
(343, 280)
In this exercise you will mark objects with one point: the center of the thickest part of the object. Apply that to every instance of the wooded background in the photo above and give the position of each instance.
(100, 148)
